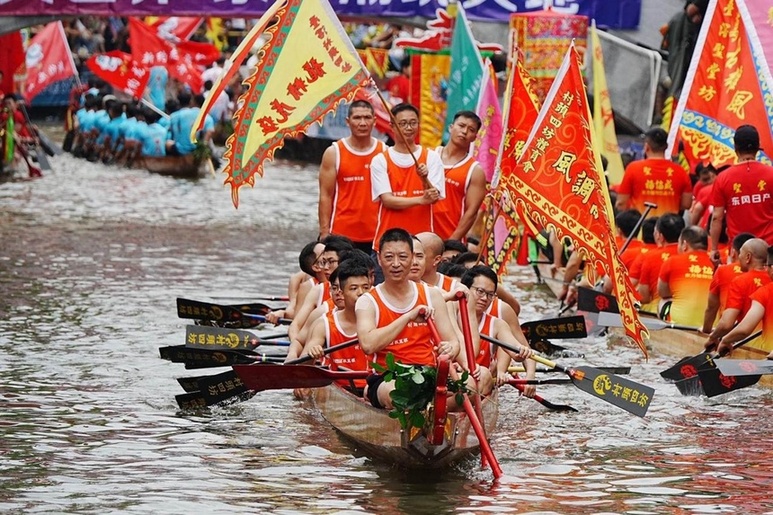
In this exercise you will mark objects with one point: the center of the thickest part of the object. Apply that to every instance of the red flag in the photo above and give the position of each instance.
(197, 53)
(48, 60)
(147, 48)
(120, 71)
(724, 89)
(559, 181)
(176, 28)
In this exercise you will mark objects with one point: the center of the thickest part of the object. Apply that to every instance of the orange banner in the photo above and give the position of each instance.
(560, 183)
(724, 89)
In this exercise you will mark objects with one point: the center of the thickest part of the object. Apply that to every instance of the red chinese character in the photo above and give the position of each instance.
(297, 88)
(346, 67)
(282, 109)
(267, 124)
(314, 68)
(327, 43)
(314, 22)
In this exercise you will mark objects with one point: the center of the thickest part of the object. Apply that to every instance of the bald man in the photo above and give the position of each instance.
(433, 256)
(753, 261)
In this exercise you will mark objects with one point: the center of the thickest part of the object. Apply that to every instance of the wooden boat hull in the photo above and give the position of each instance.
(381, 437)
(174, 166)
(678, 344)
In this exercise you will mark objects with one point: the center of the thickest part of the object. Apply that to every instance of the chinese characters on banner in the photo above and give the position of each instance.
(486, 145)
(308, 66)
(120, 71)
(725, 88)
(559, 182)
(48, 59)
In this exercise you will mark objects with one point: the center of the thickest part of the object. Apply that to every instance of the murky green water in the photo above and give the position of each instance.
(91, 260)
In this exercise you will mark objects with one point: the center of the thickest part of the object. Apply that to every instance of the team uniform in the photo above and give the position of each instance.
(152, 138)
(354, 215)
(741, 288)
(446, 283)
(688, 276)
(180, 125)
(447, 213)
(720, 283)
(650, 271)
(486, 352)
(393, 172)
(746, 192)
(764, 296)
(352, 358)
(655, 180)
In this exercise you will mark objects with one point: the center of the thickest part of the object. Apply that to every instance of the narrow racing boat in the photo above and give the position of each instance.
(187, 167)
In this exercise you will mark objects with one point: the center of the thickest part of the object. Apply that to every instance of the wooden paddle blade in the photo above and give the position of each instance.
(278, 377)
(221, 387)
(218, 338)
(744, 367)
(631, 396)
(189, 384)
(594, 301)
(715, 383)
(686, 367)
(187, 308)
(569, 327)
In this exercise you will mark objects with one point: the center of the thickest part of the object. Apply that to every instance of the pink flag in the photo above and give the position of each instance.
(758, 18)
(48, 60)
(486, 146)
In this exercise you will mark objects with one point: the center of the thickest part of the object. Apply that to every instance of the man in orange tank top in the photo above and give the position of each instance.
(685, 278)
(388, 319)
(345, 207)
(405, 191)
(720, 282)
(753, 261)
(454, 215)
(761, 311)
(433, 254)
(340, 325)
(655, 179)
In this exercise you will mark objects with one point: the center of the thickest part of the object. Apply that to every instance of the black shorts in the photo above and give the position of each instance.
(374, 381)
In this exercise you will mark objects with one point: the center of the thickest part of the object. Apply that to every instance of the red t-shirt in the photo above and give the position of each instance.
(655, 180)
(741, 288)
(650, 271)
(746, 192)
(688, 276)
(720, 283)
(764, 296)
(704, 198)
(632, 252)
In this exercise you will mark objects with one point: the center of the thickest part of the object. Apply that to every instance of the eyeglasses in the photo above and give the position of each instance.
(405, 123)
(483, 293)
(324, 263)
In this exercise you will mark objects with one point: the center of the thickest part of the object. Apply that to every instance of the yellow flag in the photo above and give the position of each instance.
(306, 69)
(603, 120)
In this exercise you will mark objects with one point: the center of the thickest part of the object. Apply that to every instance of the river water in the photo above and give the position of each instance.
(91, 260)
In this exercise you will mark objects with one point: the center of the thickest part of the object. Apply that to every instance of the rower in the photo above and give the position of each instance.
(451, 249)
(465, 182)
(505, 305)
(667, 231)
(625, 223)
(720, 283)
(482, 283)
(389, 319)
(753, 261)
(433, 251)
(761, 311)
(307, 260)
(648, 243)
(685, 278)
(340, 325)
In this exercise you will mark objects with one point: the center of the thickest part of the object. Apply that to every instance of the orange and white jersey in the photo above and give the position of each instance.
(353, 357)
(324, 294)
(447, 213)
(446, 283)
(494, 309)
(413, 345)
(486, 352)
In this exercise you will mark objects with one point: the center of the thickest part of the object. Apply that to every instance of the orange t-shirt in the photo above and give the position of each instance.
(688, 276)
(405, 182)
(634, 272)
(353, 214)
(413, 345)
(655, 180)
(720, 283)
(633, 250)
(650, 271)
(764, 296)
(485, 326)
(448, 212)
(351, 357)
(741, 288)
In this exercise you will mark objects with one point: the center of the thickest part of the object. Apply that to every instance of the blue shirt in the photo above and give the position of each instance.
(153, 139)
(180, 125)
(157, 86)
(87, 121)
(112, 129)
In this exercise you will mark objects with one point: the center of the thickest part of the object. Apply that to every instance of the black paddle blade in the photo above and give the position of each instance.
(202, 358)
(686, 367)
(690, 387)
(594, 301)
(549, 405)
(715, 383)
(189, 384)
(191, 401)
(221, 387)
(569, 327)
(195, 309)
(621, 392)
(217, 338)
(745, 367)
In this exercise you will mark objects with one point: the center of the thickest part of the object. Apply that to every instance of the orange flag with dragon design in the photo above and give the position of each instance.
(560, 184)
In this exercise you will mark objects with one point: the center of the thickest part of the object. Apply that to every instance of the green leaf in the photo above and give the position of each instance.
(390, 361)
(459, 398)
(378, 367)
(417, 419)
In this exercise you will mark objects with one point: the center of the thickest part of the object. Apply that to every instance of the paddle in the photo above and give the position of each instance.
(537, 331)
(555, 380)
(206, 358)
(649, 207)
(611, 370)
(594, 301)
(688, 367)
(714, 382)
(41, 138)
(219, 338)
(621, 392)
(220, 387)
(187, 308)
(655, 324)
(251, 297)
(549, 405)
(744, 367)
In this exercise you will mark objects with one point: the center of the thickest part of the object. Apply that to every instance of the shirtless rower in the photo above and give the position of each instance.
(388, 319)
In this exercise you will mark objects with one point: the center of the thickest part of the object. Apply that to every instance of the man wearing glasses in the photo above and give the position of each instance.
(406, 179)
